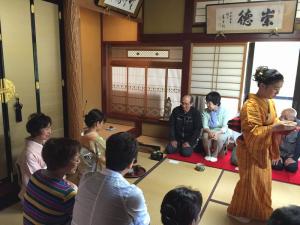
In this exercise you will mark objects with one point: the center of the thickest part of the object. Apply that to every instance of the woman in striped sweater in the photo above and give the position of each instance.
(49, 198)
(257, 146)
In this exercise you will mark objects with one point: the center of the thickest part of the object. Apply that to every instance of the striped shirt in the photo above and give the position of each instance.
(48, 200)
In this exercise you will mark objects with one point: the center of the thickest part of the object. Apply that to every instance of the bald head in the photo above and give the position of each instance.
(186, 102)
(288, 114)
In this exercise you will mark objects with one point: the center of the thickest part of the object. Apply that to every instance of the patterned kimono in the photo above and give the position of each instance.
(88, 142)
(256, 148)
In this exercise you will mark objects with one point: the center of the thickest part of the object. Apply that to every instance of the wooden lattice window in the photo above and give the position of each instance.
(142, 91)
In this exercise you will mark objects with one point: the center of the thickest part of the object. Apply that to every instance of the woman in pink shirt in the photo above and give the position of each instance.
(30, 160)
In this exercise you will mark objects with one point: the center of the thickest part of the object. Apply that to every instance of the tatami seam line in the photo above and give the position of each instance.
(149, 171)
(211, 194)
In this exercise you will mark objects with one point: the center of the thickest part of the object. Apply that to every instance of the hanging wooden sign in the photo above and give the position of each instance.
(251, 17)
(127, 7)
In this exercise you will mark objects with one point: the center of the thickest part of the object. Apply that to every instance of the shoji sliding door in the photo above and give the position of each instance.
(18, 64)
(49, 67)
(219, 67)
(32, 61)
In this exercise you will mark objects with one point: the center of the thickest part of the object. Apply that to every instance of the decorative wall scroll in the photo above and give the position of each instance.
(252, 17)
(127, 7)
(199, 18)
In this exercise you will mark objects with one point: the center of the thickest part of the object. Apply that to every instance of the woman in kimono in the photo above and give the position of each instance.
(94, 122)
(256, 148)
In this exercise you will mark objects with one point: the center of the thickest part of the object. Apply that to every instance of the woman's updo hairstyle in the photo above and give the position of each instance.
(181, 206)
(266, 76)
(94, 116)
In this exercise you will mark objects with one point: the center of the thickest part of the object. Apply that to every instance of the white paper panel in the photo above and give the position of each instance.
(205, 56)
(204, 63)
(203, 50)
(196, 84)
(217, 68)
(228, 86)
(231, 49)
(174, 86)
(224, 79)
(232, 65)
(231, 57)
(202, 71)
(229, 93)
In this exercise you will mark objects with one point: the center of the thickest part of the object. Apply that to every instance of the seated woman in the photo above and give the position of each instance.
(181, 206)
(93, 148)
(91, 139)
(215, 129)
(30, 160)
(290, 145)
(49, 198)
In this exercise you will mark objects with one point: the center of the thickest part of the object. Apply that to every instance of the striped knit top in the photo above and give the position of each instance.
(48, 200)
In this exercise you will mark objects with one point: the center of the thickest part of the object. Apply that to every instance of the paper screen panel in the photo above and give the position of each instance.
(155, 91)
(136, 90)
(48, 51)
(217, 68)
(18, 63)
(174, 86)
(119, 89)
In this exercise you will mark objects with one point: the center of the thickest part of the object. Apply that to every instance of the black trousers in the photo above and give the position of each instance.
(184, 151)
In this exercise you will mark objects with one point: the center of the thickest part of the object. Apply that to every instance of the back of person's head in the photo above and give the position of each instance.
(36, 122)
(288, 114)
(58, 152)
(285, 216)
(266, 76)
(121, 150)
(93, 116)
(213, 97)
(181, 206)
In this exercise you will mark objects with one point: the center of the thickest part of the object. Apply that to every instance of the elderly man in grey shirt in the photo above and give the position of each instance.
(106, 197)
(290, 145)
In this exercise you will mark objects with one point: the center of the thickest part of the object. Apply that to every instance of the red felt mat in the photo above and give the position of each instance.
(224, 163)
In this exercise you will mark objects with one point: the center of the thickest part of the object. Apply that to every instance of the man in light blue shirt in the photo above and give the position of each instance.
(106, 197)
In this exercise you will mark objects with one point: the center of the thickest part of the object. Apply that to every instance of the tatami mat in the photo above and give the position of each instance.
(171, 174)
(145, 161)
(283, 194)
(12, 215)
(215, 214)
(224, 190)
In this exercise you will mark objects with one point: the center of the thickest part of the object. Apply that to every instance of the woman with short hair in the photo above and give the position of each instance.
(30, 160)
(215, 129)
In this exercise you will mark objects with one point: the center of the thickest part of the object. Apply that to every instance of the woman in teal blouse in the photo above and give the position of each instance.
(215, 129)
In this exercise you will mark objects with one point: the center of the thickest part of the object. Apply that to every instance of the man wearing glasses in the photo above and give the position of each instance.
(185, 128)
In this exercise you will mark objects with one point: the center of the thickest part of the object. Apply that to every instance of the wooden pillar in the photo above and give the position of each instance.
(73, 67)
